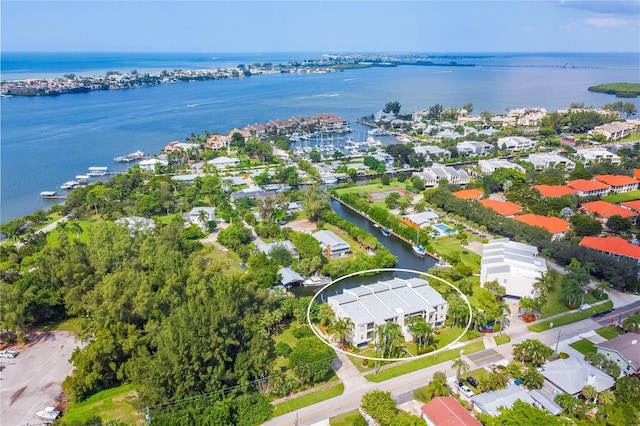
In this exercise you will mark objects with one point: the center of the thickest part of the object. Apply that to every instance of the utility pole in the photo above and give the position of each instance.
(558, 341)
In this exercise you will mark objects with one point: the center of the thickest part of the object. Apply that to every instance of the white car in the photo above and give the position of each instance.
(465, 389)
(8, 353)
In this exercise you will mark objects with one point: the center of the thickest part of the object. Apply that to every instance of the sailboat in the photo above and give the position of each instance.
(418, 250)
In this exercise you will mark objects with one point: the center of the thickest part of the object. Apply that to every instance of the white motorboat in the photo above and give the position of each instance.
(316, 280)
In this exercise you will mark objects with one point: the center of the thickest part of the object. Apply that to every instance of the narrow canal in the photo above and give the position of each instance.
(401, 250)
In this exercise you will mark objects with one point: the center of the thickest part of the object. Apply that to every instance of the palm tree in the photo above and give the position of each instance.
(572, 290)
(342, 330)
(632, 322)
(438, 386)
(602, 287)
(589, 393)
(75, 228)
(420, 330)
(544, 284)
(389, 339)
(607, 397)
(460, 365)
(325, 315)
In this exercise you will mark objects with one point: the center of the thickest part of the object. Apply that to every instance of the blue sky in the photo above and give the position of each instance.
(321, 26)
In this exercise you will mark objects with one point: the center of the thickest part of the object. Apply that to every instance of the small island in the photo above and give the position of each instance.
(621, 90)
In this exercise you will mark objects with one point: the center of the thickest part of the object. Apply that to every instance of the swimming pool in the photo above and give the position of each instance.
(443, 230)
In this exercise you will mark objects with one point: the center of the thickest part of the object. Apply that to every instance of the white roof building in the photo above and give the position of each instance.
(423, 219)
(197, 214)
(491, 402)
(332, 245)
(516, 143)
(432, 175)
(222, 162)
(267, 248)
(393, 300)
(151, 163)
(515, 266)
(550, 159)
(570, 375)
(596, 155)
(473, 148)
(432, 151)
(490, 166)
(137, 223)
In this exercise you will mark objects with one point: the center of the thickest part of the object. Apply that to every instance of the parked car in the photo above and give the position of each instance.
(8, 353)
(473, 382)
(465, 389)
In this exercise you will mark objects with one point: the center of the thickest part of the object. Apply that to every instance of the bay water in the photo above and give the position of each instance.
(46, 141)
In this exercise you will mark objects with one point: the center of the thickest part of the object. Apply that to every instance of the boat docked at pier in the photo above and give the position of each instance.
(316, 281)
(70, 185)
(385, 232)
(98, 171)
(133, 156)
(419, 250)
(49, 194)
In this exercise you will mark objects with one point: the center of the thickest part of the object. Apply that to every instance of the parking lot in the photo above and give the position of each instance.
(29, 381)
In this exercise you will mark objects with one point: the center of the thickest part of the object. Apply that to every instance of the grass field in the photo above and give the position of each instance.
(111, 404)
(625, 196)
(308, 399)
(608, 332)
(555, 303)
(501, 340)
(421, 363)
(345, 419)
(572, 317)
(583, 346)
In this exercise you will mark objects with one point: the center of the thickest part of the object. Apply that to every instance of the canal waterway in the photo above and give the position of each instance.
(401, 250)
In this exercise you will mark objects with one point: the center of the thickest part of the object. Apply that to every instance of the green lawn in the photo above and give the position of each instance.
(421, 363)
(308, 399)
(501, 340)
(451, 248)
(477, 374)
(572, 317)
(625, 196)
(608, 332)
(372, 187)
(346, 419)
(584, 346)
(111, 404)
(555, 303)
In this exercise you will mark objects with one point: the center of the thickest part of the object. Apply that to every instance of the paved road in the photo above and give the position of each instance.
(617, 315)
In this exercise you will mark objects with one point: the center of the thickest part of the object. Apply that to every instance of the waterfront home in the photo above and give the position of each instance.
(615, 247)
(290, 278)
(603, 210)
(503, 208)
(570, 375)
(596, 155)
(515, 266)
(557, 227)
(589, 188)
(223, 162)
(516, 143)
(151, 164)
(554, 191)
(490, 166)
(394, 300)
(474, 148)
(421, 220)
(447, 411)
(618, 183)
(624, 350)
(550, 160)
(491, 402)
(332, 245)
(200, 216)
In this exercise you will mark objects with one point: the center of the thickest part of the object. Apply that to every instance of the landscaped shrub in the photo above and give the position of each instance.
(302, 332)
(563, 355)
(283, 349)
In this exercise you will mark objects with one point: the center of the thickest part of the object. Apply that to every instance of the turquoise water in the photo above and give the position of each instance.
(46, 141)
(444, 230)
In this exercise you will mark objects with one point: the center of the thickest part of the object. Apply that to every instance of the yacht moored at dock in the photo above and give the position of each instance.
(49, 194)
(98, 171)
(133, 156)
(70, 185)
(316, 281)
(385, 232)
(419, 251)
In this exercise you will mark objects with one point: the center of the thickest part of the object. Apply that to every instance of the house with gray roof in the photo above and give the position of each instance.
(624, 350)
(545, 400)
(421, 220)
(548, 160)
(432, 151)
(200, 216)
(473, 148)
(267, 248)
(395, 300)
(332, 245)
(491, 402)
(222, 162)
(290, 278)
(572, 374)
(137, 223)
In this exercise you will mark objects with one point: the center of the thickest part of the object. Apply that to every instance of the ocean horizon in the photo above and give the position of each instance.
(49, 140)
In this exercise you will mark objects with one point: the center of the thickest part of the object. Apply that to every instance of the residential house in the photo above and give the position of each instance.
(490, 166)
(290, 278)
(222, 162)
(395, 300)
(634, 206)
(550, 160)
(421, 220)
(554, 191)
(618, 183)
(615, 247)
(491, 402)
(254, 192)
(624, 350)
(570, 375)
(557, 227)
(267, 248)
(431, 151)
(217, 142)
(432, 175)
(613, 131)
(468, 194)
(515, 266)
(474, 148)
(200, 216)
(333, 246)
(603, 210)
(528, 116)
(503, 208)
(596, 155)
(589, 188)
(516, 143)
(151, 164)
(447, 411)
(137, 223)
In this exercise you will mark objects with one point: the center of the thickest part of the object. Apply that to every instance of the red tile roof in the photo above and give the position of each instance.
(587, 185)
(504, 208)
(468, 194)
(615, 245)
(554, 191)
(633, 205)
(446, 411)
(554, 225)
(604, 209)
(616, 180)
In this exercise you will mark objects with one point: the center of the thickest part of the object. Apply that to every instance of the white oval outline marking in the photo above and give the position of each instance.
(464, 297)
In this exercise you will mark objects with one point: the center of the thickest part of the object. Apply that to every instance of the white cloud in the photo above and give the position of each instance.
(606, 22)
